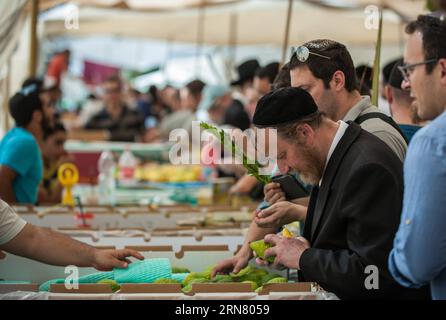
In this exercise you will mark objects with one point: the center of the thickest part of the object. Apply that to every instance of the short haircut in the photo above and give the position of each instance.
(269, 71)
(387, 70)
(433, 30)
(49, 131)
(23, 105)
(114, 79)
(195, 87)
(324, 69)
(283, 79)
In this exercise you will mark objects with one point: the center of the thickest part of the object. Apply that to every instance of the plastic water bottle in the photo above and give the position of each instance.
(127, 168)
(107, 183)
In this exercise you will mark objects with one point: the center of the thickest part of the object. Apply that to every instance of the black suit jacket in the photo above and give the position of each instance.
(353, 217)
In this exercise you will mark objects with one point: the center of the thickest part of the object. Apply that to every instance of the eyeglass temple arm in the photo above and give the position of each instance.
(320, 55)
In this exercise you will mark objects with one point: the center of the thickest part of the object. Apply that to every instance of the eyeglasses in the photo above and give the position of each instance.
(407, 69)
(303, 53)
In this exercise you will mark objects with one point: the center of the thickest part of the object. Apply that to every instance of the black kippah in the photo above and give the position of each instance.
(283, 106)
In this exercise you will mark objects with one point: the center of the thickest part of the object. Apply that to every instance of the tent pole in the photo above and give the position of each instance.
(287, 31)
(33, 38)
(6, 88)
(233, 29)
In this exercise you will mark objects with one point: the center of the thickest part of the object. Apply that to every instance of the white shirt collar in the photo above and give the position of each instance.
(339, 134)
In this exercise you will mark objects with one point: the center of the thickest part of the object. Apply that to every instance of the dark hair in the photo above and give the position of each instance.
(195, 87)
(364, 74)
(433, 29)
(23, 104)
(387, 70)
(269, 71)
(115, 78)
(324, 69)
(283, 78)
(49, 131)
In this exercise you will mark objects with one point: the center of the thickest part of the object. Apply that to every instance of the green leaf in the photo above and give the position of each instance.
(252, 167)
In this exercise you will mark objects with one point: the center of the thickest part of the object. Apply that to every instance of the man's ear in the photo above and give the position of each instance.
(442, 65)
(305, 134)
(338, 80)
(389, 93)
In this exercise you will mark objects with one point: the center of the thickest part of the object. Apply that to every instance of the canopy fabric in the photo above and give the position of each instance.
(257, 22)
(147, 5)
(11, 22)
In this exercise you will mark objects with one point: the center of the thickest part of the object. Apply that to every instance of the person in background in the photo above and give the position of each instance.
(57, 66)
(220, 108)
(265, 77)
(137, 101)
(401, 103)
(49, 95)
(190, 99)
(20, 155)
(91, 107)
(122, 123)
(383, 82)
(419, 251)
(53, 155)
(23, 239)
(170, 98)
(364, 73)
(246, 72)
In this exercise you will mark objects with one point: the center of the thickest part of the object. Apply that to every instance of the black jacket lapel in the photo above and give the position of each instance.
(351, 134)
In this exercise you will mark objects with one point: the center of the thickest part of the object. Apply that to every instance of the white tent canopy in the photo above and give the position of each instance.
(257, 21)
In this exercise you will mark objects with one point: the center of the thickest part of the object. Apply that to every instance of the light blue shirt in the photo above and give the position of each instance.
(20, 152)
(419, 250)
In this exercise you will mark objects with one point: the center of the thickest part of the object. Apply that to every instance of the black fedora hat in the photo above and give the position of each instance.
(246, 71)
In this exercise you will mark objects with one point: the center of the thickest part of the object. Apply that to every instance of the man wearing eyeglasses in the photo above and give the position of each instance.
(419, 253)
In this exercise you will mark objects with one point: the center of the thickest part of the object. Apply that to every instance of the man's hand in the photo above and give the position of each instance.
(273, 193)
(287, 250)
(2, 255)
(234, 264)
(107, 260)
(279, 214)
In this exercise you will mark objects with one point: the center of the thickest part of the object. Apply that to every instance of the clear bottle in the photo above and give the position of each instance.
(106, 181)
(127, 168)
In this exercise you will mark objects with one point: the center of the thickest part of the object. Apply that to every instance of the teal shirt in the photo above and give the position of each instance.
(409, 130)
(20, 152)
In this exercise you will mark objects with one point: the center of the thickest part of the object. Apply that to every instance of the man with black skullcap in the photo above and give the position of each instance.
(349, 225)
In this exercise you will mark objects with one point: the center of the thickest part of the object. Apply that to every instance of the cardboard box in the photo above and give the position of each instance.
(7, 288)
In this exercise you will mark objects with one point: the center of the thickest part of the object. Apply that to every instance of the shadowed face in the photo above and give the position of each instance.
(301, 157)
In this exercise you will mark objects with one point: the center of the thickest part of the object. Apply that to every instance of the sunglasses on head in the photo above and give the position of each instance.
(303, 53)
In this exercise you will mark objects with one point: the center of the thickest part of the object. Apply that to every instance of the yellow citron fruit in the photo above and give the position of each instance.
(287, 233)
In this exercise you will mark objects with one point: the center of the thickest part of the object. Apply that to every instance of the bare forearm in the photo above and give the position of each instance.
(50, 247)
